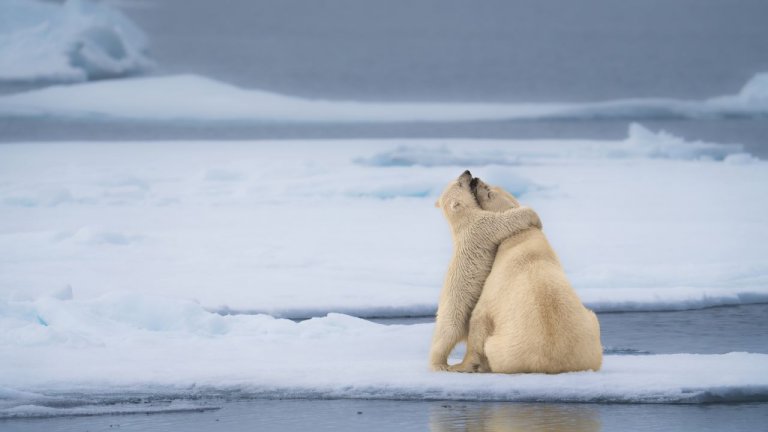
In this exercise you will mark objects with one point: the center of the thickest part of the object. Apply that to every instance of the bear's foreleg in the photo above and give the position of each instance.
(480, 327)
(448, 333)
(495, 227)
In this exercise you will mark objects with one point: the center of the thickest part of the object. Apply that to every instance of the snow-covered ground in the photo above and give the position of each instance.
(115, 258)
(303, 228)
(122, 345)
(67, 42)
(196, 98)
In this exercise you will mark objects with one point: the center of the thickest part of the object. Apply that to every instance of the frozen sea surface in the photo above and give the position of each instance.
(287, 227)
(134, 354)
(125, 265)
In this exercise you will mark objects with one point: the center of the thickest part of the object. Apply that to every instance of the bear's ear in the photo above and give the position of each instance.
(437, 204)
(491, 194)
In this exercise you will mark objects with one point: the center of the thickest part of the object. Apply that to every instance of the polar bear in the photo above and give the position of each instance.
(528, 317)
(476, 234)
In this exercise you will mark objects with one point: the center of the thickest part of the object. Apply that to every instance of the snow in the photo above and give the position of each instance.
(68, 42)
(123, 344)
(196, 98)
(303, 228)
(122, 263)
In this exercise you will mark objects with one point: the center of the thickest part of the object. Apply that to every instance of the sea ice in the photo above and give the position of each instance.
(70, 41)
(303, 228)
(185, 98)
(120, 345)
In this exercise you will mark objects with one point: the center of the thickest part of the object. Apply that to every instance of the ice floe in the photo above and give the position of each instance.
(196, 98)
(640, 143)
(303, 228)
(121, 345)
(67, 42)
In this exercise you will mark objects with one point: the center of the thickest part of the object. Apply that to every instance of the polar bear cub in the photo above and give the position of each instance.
(528, 317)
(476, 234)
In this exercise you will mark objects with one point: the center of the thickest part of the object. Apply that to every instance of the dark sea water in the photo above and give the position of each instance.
(459, 51)
(456, 50)
(717, 330)
(406, 416)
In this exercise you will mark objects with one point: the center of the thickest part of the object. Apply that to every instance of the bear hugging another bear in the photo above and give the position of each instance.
(505, 292)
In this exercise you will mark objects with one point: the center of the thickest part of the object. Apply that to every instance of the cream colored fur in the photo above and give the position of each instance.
(528, 317)
(476, 234)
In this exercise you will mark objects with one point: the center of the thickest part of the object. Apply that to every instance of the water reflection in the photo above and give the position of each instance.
(497, 417)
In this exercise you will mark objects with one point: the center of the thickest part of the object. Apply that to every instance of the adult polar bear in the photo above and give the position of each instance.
(476, 235)
(528, 318)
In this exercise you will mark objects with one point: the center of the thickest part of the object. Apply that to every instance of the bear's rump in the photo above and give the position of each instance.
(553, 339)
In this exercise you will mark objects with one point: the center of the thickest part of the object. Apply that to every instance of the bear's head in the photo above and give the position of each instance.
(457, 198)
(492, 198)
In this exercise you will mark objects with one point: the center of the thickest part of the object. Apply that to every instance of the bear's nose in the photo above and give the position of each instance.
(467, 173)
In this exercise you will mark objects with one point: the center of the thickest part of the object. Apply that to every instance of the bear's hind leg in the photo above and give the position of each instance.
(480, 328)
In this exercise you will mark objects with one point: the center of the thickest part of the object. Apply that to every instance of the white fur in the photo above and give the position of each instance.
(528, 317)
(476, 234)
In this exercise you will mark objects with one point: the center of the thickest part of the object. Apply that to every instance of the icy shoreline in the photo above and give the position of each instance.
(637, 300)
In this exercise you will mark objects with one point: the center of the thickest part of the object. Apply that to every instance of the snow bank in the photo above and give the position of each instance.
(72, 41)
(121, 345)
(302, 228)
(195, 98)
